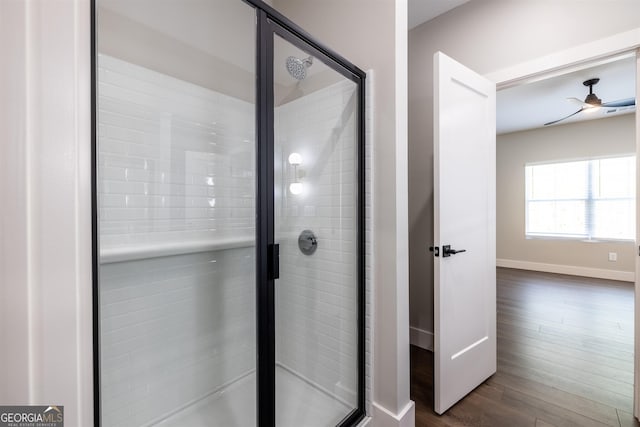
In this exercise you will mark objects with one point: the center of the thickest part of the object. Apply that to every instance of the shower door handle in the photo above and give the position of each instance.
(274, 261)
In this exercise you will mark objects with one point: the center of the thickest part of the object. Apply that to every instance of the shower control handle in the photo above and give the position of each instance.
(307, 242)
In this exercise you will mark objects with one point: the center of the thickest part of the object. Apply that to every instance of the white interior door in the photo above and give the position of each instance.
(464, 220)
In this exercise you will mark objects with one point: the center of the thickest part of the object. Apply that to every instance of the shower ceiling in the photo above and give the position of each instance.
(214, 20)
(195, 26)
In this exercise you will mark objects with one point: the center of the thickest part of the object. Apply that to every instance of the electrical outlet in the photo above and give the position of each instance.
(613, 256)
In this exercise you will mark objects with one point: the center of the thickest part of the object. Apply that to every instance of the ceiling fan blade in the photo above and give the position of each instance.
(578, 101)
(621, 103)
(559, 120)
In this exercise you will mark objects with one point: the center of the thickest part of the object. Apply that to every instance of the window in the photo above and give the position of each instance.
(588, 199)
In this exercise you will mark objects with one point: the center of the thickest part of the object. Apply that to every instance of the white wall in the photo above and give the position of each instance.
(45, 188)
(486, 36)
(595, 138)
(372, 35)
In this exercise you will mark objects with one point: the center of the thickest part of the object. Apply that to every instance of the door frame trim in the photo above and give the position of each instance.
(567, 60)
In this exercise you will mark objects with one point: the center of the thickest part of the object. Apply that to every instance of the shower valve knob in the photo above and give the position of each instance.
(307, 242)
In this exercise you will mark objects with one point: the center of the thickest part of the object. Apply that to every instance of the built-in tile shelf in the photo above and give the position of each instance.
(162, 249)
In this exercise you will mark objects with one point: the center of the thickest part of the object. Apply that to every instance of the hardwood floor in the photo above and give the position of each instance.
(565, 357)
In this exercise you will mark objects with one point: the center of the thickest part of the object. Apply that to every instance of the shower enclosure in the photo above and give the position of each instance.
(228, 219)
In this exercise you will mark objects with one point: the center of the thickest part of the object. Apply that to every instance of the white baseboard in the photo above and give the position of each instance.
(421, 338)
(385, 418)
(599, 273)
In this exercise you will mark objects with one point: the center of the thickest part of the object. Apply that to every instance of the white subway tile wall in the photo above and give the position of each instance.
(316, 296)
(176, 164)
(174, 330)
(176, 161)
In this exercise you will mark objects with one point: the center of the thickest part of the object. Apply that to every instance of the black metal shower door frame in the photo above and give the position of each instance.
(269, 23)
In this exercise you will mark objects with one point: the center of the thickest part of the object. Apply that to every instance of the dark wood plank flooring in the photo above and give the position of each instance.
(565, 357)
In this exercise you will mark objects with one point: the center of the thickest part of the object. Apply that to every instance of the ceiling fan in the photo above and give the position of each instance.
(593, 103)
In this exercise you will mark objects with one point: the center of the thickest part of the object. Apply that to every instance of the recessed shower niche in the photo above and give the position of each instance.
(206, 310)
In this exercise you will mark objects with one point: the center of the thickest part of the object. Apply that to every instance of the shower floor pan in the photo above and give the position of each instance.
(298, 403)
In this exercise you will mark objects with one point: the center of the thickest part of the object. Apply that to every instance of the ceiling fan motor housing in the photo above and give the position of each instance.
(592, 99)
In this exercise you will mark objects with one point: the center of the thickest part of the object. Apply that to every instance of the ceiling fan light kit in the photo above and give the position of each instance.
(593, 100)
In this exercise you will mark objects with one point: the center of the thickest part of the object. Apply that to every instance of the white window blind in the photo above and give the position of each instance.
(587, 199)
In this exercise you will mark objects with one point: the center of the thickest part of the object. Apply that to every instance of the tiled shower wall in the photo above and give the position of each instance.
(174, 329)
(176, 168)
(316, 296)
(176, 160)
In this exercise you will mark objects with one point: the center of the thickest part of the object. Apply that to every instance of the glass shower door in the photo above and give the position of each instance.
(316, 198)
(176, 212)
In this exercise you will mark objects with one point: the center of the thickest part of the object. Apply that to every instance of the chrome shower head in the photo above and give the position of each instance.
(298, 67)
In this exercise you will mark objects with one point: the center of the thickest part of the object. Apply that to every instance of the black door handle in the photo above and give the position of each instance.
(447, 251)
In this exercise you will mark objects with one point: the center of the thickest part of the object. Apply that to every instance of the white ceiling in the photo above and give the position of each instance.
(531, 105)
(421, 11)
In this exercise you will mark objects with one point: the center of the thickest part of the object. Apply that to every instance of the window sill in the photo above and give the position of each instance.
(578, 239)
